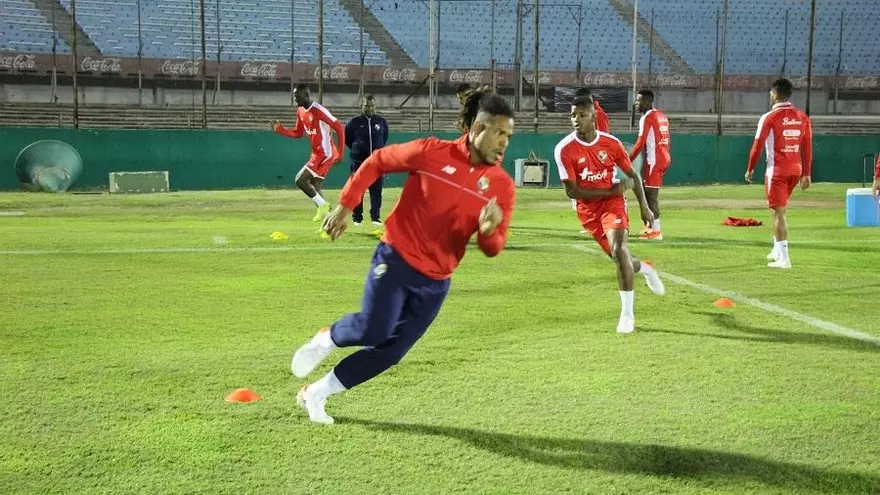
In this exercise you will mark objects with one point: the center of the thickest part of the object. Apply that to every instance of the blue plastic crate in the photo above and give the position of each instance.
(862, 209)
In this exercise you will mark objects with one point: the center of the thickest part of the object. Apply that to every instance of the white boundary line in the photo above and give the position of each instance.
(335, 247)
(840, 242)
(770, 308)
(255, 249)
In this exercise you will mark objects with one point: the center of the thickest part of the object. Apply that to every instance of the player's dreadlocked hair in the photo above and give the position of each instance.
(481, 100)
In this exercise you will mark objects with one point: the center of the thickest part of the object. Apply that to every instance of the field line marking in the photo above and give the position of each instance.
(218, 249)
(770, 308)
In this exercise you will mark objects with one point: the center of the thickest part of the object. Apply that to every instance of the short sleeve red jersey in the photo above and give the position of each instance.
(591, 165)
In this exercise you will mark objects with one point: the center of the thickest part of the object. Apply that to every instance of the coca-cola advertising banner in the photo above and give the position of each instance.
(277, 72)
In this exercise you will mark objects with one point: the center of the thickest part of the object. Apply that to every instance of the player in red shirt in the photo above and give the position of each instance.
(587, 160)
(454, 190)
(603, 124)
(654, 141)
(786, 134)
(316, 122)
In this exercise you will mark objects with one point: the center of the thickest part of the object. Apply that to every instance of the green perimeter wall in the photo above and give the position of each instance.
(219, 159)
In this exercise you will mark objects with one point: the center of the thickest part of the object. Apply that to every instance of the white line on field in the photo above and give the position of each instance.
(255, 249)
(218, 248)
(770, 308)
(790, 243)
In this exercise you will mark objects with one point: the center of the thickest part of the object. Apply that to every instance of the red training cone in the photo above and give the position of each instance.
(724, 303)
(242, 395)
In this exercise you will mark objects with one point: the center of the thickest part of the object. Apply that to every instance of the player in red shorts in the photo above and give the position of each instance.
(603, 123)
(786, 134)
(316, 122)
(654, 141)
(587, 159)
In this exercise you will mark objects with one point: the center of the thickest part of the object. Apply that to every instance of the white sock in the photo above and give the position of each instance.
(574, 204)
(626, 300)
(656, 224)
(775, 245)
(319, 200)
(327, 385)
(324, 340)
(782, 249)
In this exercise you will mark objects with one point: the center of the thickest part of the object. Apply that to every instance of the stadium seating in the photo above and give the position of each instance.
(256, 30)
(763, 25)
(465, 34)
(23, 28)
(261, 30)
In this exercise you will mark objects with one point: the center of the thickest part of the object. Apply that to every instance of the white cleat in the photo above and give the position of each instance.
(653, 279)
(627, 324)
(314, 405)
(311, 354)
(784, 264)
(376, 223)
(772, 256)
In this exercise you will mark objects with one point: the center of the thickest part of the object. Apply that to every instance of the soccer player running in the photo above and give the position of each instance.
(454, 190)
(786, 134)
(603, 123)
(586, 159)
(315, 121)
(654, 141)
(364, 134)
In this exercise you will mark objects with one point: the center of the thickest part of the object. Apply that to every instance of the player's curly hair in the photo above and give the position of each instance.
(482, 100)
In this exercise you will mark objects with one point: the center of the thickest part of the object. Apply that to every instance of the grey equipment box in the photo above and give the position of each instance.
(532, 171)
(139, 182)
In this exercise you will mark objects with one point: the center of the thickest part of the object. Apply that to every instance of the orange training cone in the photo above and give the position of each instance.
(242, 395)
(724, 303)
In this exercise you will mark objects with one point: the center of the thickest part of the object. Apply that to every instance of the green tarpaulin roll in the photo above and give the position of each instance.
(48, 165)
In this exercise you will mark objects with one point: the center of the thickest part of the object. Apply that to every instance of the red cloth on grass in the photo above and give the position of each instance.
(741, 222)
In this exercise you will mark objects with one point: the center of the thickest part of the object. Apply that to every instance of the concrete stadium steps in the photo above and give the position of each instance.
(416, 119)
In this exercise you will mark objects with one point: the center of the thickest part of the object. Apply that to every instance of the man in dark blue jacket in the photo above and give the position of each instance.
(364, 134)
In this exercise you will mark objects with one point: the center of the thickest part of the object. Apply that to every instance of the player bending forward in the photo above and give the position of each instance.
(454, 191)
(315, 121)
(586, 159)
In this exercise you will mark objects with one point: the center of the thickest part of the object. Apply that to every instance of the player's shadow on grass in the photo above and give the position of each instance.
(768, 335)
(657, 460)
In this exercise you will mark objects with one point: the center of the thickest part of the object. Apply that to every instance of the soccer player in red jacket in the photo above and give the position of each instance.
(587, 160)
(654, 141)
(786, 134)
(454, 190)
(315, 121)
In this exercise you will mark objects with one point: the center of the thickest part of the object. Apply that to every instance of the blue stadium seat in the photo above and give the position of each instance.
(261, 30)
(248, 30)
(23, 28)
(769, 49)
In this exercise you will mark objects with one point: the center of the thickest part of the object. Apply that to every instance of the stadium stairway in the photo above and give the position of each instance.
(377, 32)
(63, 23)
(675, 62)
(415, 119)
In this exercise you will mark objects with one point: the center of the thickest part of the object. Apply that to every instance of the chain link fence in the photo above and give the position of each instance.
(205, 60)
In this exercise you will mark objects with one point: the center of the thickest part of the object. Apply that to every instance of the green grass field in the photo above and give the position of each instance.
(127, 319)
